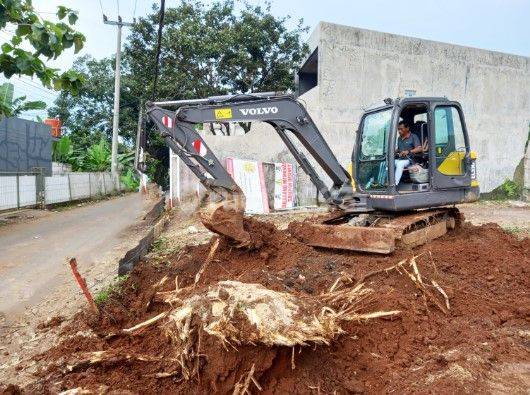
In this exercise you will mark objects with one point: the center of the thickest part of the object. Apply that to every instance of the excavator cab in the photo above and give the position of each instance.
(443, 173)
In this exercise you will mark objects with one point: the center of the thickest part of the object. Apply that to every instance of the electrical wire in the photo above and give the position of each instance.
(33, 85)
(158, 45)
(101, 6)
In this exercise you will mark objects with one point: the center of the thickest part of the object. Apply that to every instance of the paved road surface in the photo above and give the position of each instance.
(33, 254)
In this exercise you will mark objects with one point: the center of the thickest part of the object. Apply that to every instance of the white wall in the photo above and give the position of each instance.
(57, 189)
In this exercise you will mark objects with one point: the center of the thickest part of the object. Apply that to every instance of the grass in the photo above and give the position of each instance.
(160, 245)
(517, 230)
(520, 232)
(113, 288)
(508, 190)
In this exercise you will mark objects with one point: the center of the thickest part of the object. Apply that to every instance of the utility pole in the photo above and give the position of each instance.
(116, 119)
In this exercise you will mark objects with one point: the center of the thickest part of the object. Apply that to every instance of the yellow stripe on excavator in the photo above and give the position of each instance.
(350, 170)
(452, 164)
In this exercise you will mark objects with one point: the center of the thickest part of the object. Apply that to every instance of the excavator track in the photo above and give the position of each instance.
(377, 233)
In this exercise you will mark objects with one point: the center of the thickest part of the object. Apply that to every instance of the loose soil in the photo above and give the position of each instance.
(481, 345)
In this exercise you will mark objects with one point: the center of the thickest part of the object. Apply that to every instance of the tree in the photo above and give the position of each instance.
(214, 49)
(87, 116)
(206, 50)
(48, 40)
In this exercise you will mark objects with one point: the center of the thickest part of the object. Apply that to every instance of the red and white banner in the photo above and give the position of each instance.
(248, 175)
(284, 193)
(200, 148)
(167, 121)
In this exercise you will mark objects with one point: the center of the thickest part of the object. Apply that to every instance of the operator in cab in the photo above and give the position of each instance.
(408, 144)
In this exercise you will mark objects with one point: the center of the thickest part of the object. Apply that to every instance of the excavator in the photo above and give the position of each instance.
(369, 210)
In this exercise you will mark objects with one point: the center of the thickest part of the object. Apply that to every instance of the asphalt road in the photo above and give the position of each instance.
(33, 254)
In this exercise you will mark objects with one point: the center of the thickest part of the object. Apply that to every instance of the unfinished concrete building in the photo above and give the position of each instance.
(351, 69)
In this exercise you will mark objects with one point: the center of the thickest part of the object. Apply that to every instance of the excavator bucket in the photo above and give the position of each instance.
(381, 234)
(226, 218)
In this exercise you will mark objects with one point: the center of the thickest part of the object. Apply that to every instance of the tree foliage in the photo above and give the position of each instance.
(48, 40)
(215, 49)
(218, 48)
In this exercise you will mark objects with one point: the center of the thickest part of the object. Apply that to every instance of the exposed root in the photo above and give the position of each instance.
(242, 388)
(418, 282)
(145, 324)
(439, 289)
(209, 258)
(85, 360)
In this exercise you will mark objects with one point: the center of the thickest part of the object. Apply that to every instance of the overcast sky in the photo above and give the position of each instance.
(500, 25)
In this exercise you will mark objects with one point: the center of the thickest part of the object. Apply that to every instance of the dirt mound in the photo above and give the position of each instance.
(464, 324)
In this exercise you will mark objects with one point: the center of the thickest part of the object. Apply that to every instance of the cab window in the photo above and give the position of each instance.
(372, 167)
(450, 143)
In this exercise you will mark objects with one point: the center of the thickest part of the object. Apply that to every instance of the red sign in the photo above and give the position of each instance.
(56, 125)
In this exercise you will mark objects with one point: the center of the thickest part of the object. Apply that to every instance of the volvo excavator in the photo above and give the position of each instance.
(369, 211)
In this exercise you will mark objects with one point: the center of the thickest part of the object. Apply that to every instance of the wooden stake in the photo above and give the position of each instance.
(82, 284)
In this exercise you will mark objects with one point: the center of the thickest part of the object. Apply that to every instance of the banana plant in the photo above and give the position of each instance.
(10, 107)
(97, 157)
(63, 150)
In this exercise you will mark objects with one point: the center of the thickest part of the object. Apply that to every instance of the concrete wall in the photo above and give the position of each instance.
(357, 68)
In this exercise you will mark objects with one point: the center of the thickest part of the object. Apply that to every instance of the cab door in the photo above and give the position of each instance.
(449, 147)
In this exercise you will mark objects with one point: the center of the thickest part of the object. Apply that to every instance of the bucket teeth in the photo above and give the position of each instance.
(226, 218)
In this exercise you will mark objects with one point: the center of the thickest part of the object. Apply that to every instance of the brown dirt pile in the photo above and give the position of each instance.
(481, 344)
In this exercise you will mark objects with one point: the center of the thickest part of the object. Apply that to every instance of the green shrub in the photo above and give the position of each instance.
(130, 180)
(507, 190)
(511, 189)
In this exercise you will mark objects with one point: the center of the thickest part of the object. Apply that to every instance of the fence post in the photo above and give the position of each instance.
(69, 187)
(89, 185)
(18, 191)
(104, 186)
(40, 188)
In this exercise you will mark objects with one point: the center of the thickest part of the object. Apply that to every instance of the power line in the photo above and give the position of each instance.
(101, 6)
(158, 45)
(33, 94)
(42, 94)
(33, 85)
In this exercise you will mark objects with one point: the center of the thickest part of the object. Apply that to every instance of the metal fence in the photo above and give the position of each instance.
(34, 189)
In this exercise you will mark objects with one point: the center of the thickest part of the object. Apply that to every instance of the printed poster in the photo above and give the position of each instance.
(248, 175)
(284, 193)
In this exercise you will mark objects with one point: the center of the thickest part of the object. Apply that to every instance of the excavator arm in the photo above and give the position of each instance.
(284, 113)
